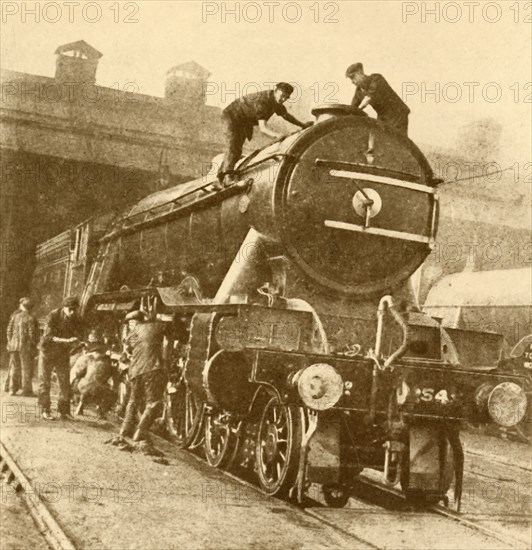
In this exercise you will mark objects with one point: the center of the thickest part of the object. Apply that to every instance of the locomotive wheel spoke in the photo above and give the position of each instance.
(221, 440)
(184, 414)
(278, 447)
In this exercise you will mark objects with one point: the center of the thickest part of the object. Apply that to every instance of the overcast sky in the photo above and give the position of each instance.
(488, 44)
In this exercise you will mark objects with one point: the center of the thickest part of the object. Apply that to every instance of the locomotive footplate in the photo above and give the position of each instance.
(403, 421)
(422, 389)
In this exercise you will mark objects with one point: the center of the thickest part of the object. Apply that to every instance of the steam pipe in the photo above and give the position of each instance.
(406, 337)
(385, 300)
(242, 270)
(388, 301)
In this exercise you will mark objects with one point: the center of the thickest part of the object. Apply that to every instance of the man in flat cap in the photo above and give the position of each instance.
(22, 333)
(375, 91)
(63, 328)
(147, 374)
(240, 117)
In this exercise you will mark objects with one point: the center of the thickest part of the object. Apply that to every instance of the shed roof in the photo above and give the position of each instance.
(507, 287)
(191, 67)
(82, 46)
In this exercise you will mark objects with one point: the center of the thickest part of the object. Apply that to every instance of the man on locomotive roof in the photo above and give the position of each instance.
(375, 91)
(62, 329)
(240, 116)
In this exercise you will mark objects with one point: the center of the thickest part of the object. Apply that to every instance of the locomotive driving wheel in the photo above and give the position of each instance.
(278, 446)
(184, 415)
(221, 439)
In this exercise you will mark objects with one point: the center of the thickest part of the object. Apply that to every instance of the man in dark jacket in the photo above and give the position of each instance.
(62, 329)
(375, 91)
(240, 117)
(147, 374)
(22, 333)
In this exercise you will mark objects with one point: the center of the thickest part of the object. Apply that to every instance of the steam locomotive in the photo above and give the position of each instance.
(297, 351)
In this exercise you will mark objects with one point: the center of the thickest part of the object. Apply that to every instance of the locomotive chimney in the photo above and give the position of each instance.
(332, 110)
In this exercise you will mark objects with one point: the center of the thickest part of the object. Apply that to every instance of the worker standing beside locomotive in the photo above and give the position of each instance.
(146, 373)
(62, 329)
(374, 90)
(240, 116)
(21, 343)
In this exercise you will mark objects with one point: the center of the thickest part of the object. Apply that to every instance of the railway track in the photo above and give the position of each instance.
(512, 540)
(48, 526)
(396, 502)
(307, 510)
(392, 508)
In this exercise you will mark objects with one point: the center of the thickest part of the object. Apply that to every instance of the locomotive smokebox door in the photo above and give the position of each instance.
(351, 224)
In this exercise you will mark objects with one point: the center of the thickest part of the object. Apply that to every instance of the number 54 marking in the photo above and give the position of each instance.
(427, 395)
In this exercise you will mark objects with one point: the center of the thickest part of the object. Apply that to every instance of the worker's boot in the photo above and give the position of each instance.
(80, 407)
(128, 425)
(127, 430)
(218, 185)
(47, 416)
(230, 179)
(151, 412)
(140, 435)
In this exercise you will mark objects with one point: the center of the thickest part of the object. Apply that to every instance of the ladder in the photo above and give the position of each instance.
(95, 275)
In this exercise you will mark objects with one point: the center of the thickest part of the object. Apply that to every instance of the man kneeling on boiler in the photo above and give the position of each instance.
(240, 116)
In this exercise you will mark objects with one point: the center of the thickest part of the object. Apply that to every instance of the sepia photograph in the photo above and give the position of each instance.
(266, 275)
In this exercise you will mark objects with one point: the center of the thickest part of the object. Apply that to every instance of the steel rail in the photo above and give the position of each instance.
(48, 526)
(193, 452)
(57, 539)
(303, 510)
(440, 510)
(512, 541)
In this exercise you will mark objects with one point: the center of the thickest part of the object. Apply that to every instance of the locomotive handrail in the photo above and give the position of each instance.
(122, 228)
(172, 201)
(275, 156)
(406, 337)
(156, 220)
(373, 169)
(193, 191)
(388, 301)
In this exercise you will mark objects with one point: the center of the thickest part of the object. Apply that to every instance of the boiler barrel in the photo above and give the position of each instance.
(350, 202)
